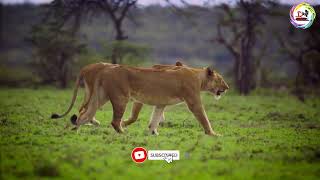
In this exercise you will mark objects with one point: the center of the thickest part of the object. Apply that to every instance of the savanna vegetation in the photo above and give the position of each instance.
(273, 135)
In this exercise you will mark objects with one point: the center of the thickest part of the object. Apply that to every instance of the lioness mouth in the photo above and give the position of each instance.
(219, 92)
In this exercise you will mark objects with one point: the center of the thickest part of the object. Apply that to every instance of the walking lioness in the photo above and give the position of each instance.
(88, 75)
(157, 87)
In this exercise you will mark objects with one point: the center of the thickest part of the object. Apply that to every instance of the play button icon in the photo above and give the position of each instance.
(139, 154)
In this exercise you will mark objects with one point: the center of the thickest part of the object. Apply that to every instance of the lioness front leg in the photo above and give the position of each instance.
(119, 106)
(155, 119)
(195, 106)
(136, 108)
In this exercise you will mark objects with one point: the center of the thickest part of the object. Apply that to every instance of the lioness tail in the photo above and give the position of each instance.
(75, 92)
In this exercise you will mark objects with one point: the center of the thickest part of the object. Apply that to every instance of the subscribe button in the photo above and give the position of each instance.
(140, 154)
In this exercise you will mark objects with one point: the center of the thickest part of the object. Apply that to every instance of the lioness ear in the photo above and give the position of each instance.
(178, 63)
(209, 71)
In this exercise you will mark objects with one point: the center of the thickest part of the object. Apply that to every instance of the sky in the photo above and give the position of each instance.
(148, 2)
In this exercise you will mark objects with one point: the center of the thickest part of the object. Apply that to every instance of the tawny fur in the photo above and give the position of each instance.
(88, 75)
(157, 87)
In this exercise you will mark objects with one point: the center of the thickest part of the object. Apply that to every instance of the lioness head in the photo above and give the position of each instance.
(215, 83)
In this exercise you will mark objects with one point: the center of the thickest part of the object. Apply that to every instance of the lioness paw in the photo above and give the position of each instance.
(214, 134)
(95, 122)
(154, 132)
(125, 123)
(116, 126)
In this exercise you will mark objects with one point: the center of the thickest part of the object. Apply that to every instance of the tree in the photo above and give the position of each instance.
(129, 53)
(73, 11)
(304, 50)
(242, 24)
(54, 53)
(117, 11)
(55, 40)
(55, 37)
(1, 16)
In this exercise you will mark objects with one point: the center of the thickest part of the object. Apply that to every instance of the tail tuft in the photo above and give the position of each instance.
(55, 116)
(73, 119)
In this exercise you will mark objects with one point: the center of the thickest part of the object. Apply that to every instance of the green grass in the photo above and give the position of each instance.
(263, 137)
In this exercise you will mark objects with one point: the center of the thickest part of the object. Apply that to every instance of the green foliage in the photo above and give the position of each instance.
(311, 61)
(129, 53)
(168, 34)
(89, 58)
(54, 52)
(274, 137)
(17, 77)
(84, 59)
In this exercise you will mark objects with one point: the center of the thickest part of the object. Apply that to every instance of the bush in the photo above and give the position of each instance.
(17, 76)
(129, 53)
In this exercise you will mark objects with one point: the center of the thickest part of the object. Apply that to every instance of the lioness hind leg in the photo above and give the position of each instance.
(87, 113)
(102, 99)
(155, 120)
(88, 117)
(119, 106)
(101, 102)
(136, 108)
(86, 97)
(162, 118)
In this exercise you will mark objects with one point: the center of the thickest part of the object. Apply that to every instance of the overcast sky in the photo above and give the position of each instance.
(147, 2)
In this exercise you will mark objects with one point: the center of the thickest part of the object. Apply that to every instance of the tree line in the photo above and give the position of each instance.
(249, 33)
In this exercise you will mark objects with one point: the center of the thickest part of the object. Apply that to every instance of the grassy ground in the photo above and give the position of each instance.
(272, 136)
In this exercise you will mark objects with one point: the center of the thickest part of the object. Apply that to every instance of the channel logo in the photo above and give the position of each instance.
(302, 15)
(140, 154)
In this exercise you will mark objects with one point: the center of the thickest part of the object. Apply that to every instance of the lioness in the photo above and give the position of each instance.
(137, 106)
(157, 87)
(88, 75)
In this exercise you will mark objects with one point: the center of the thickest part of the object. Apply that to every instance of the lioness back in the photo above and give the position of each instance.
(148, 85)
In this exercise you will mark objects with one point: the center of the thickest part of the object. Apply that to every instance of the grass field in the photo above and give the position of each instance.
(265, 136)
